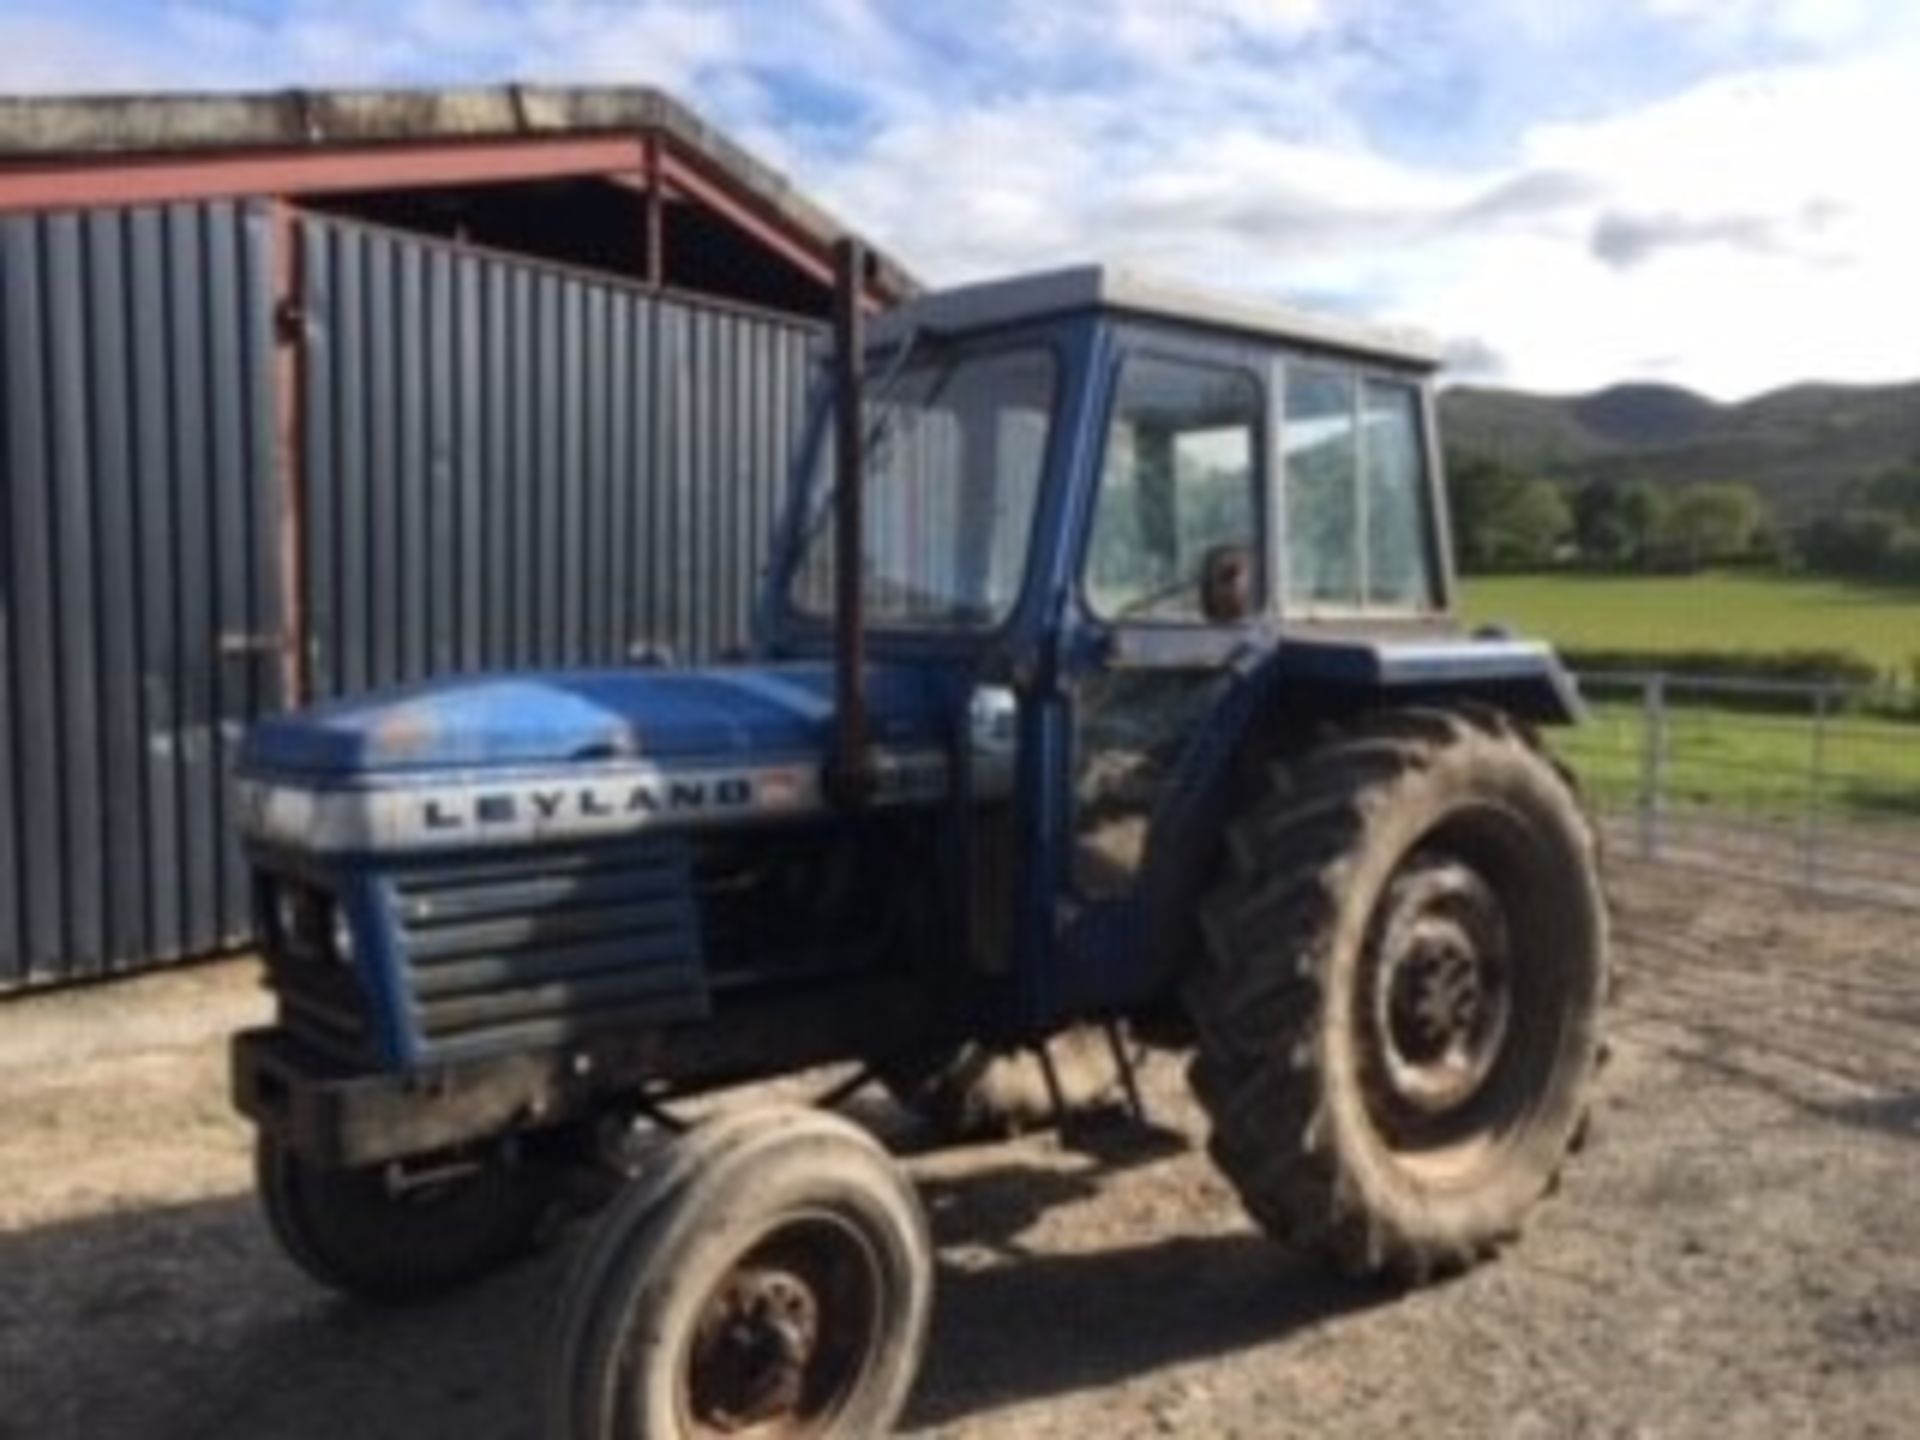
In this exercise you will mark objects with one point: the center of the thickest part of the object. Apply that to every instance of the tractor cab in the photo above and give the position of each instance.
(1087, 459)
(1110, 506)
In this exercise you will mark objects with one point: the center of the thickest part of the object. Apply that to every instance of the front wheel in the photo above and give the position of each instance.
(1399, 1004)
(394, 1236)
(770, 1276)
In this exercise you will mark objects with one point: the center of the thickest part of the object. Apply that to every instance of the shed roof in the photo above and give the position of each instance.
(37, 131)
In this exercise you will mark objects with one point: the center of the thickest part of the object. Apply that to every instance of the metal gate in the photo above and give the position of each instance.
(509, 465)
(140, 570)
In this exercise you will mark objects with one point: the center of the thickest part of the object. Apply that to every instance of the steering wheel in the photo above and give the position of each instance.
(1153, 597)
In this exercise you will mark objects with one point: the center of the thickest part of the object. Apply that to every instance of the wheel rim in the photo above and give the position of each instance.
(785, 1336)
(1436, 1020)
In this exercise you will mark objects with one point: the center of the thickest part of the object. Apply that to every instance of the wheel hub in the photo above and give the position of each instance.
(756, 1340)
(1440, 998)
(1436, 997)
(781, 1341)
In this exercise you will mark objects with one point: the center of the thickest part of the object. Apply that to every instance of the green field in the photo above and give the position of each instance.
(1718, 610)
(1735, 762)
(1748, 764)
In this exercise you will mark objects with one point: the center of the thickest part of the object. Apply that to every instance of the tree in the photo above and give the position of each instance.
(1853, 542)
(1529, 531)
(1897, 492)
(1600, 524)
(1643, 515)
(1618, 524)
(1480, 489)
(1873, 531)
(1503, 520)
(1713, 522)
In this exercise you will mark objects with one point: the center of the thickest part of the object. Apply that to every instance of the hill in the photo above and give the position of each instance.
(1799, 445)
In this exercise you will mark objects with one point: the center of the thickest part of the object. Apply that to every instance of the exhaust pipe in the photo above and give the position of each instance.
(850, 776)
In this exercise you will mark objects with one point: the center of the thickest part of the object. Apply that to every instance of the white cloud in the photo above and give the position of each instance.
(40, 53)
(1772, 233)
(1752, 230)
(1159, 33)
(1807, 22)
(671, 44)
(1752, 226)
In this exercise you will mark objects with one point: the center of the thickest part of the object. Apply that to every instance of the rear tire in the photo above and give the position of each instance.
(354, 1232)
(771, 1275)
(1398, 1009)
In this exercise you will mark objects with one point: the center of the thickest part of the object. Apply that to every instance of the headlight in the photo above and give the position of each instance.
(287, 917)
(307, 924)
(343, 949)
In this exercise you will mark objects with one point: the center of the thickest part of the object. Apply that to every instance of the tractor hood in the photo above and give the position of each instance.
(541, 721)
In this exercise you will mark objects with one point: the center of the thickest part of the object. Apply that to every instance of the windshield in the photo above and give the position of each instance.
(957, 446)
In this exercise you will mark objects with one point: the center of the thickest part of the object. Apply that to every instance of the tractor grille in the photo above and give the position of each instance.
(538, 948)
(321, 1001)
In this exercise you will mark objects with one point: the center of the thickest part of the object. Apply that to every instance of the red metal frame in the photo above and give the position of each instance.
(656, 219)
(647, 161)
(683, 178)
(211, 175)
(289, 416)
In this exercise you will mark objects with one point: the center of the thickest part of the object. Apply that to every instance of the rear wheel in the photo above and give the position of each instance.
(1399, 1006)
(395, 1235)
(770, 1277)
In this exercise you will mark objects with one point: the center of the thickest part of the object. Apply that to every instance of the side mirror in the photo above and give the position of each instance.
(1226, 584)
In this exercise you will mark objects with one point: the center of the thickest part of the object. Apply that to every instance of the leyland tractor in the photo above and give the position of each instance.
(1105, 676)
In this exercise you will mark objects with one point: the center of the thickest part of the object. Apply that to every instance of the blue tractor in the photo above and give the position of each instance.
(1105, 673)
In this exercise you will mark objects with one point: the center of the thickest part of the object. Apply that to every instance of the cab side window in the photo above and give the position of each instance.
(1176, 527)
(1323, 501)
(1358, 519)
(1399, 567)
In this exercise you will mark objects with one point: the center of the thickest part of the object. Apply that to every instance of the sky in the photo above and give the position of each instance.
(1723, 194)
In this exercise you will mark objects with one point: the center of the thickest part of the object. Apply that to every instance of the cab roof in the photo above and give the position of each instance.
(1088, 287)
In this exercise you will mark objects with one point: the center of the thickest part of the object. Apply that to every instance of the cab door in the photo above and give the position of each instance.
(1176, 582)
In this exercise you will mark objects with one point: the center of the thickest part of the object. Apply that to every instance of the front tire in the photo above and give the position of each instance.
(771, 1275)
(358, 1232)
(1398, 1010)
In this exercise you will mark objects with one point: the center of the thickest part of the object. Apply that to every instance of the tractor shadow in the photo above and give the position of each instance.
(1034, 1323)
(185, 1321)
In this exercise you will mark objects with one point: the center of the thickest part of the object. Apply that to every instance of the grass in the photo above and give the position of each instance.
(1735, 765)
(1717, 610)
(1747, 764)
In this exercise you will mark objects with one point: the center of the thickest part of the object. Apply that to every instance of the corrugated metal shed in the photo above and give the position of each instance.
(255, 445)
(474, 427)
(137, 416)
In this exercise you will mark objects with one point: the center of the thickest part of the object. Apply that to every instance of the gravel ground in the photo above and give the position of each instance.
(1738, 1253)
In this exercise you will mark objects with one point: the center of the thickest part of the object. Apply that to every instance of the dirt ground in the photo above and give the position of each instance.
(1738, 1252)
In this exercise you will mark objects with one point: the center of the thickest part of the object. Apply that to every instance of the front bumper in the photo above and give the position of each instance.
(340, 1119)
(335, 1115)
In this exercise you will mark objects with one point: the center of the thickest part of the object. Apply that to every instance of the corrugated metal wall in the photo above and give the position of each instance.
(140, 522)
(503, 465)
(509, 465)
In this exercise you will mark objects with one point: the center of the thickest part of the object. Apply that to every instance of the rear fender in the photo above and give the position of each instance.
(1523, 677)
(1282, 697)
